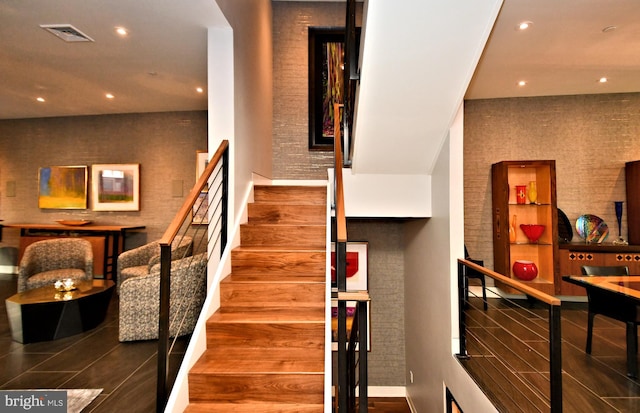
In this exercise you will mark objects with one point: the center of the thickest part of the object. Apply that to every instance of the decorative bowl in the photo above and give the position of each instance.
(73, 222)
(525, 270)
(532, 231)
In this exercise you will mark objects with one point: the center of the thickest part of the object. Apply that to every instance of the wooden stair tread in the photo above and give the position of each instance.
(309, 202)
(254, 407)
(244, 361)
(276, 225)
(268, 315)
(266, 277)
(277, 248)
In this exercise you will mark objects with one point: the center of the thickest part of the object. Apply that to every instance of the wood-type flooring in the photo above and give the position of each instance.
(591, 383)
(95, 359)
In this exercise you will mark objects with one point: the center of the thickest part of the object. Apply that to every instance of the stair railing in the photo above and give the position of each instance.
(352, 353)
(202, 219)
(494, 315)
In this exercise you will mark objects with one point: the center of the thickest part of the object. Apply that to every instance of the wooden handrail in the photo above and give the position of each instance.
(341, 220)
(546, 298)
(354, 296)
(187, 207)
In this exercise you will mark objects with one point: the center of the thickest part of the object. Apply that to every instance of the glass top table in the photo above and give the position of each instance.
(45, 313)
(625, 285)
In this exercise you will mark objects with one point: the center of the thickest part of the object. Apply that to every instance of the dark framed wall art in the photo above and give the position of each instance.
(326, 84)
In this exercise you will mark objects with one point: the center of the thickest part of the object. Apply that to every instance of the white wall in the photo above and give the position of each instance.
(418, 58)
(431, 249)
(252, 83)
(395, 196)
(240, 110)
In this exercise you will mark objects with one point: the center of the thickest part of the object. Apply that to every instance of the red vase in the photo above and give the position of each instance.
(525, 270)
(521, 194)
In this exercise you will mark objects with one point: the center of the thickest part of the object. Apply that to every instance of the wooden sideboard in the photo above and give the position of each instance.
(107, 241)
(573, 256)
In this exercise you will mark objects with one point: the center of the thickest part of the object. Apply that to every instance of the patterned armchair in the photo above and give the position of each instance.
(45, 262)
(138, 261)
(140, 300)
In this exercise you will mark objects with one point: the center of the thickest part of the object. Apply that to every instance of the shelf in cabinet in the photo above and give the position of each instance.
(528, 205)
(536, 280)
(541, 244)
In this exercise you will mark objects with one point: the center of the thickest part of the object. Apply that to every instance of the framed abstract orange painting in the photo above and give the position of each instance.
(62, 187)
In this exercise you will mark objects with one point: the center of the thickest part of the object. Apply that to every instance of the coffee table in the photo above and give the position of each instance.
(44, 313)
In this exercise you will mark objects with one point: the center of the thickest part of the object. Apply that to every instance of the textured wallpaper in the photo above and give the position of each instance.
(291, 156)
(164, 144)
(386, 288)
(589, 136)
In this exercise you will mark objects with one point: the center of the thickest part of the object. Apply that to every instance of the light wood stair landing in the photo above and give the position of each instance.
(265, 344)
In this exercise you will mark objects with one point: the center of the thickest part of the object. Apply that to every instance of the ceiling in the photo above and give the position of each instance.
(565, 52)
(158, 66)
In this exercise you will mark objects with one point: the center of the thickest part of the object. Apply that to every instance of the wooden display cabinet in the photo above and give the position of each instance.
(504, 177)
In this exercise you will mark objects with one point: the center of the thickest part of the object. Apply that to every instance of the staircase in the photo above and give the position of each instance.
(265, 344)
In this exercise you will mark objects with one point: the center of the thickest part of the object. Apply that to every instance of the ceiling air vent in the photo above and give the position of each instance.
(66, 32)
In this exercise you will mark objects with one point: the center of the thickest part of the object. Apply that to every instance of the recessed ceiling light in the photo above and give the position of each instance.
(603, 80)
(122, 31)
(199, 90)
(522, 83)
(109, 96)
(40, 99)
(524, 25)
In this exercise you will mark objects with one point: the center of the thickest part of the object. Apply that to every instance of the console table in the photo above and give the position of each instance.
(574, 255)
(107, 241)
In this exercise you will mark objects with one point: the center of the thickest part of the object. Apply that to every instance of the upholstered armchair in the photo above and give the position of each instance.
(138, 261)
(45, 262)
(140, 300)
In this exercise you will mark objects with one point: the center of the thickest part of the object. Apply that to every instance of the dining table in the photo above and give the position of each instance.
(622, 295)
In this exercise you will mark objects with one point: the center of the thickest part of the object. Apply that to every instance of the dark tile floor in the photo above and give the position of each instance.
(509, 359)
(94, 359)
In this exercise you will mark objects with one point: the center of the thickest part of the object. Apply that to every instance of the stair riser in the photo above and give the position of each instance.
(281, 388)
(290, 194)
(298, 264)
(283, 236)
(262, 335)
(271, 295)
(287, 214)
